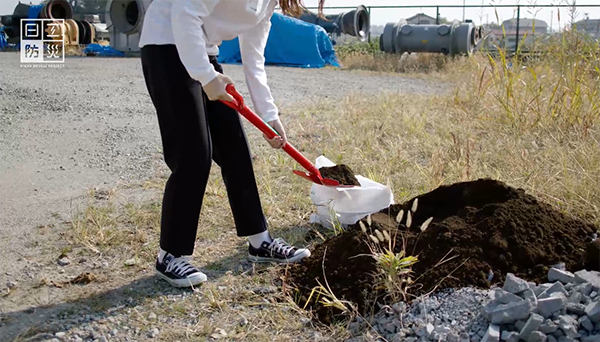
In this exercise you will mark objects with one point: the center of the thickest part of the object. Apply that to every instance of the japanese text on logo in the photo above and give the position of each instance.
(42, 41)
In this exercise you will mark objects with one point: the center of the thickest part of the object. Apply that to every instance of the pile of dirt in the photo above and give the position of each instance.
(488, 227)
(341, 173)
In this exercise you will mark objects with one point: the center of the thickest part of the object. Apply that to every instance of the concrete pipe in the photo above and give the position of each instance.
(124, 20)
(354, 23)
(90, 32)
(455, 39)
(49, 9)
(72, 33)
(56, 9)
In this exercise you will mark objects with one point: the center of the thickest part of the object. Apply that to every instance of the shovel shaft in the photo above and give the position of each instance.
(238, 104)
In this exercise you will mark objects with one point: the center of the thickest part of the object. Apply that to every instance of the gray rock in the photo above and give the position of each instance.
(569, 326)
(586, 323)
(532, 324)
(514, 284)
(511, 312)
(551, 338)
(452, 337)
(575, 297)
(566, 339)
(510, 336)
(399, 307)
(64, 261)
(591, 338)
(530, 296)
(243, 322)
(541, 288)
(537, 336)
(500, 296)
(577, 309)
(592, 310)
(585, 289)
(60, 334)
(564, 277)
(591, 277)
(390, 327)
(440, 333)
(548, 327)
(547, 306)
(520, 324)
(492, 334)
(556, 287)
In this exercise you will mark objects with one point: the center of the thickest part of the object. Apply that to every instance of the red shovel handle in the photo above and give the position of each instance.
(238, 104)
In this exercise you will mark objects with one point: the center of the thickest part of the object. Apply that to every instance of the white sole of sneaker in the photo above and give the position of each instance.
(296, 258)
(190, 281)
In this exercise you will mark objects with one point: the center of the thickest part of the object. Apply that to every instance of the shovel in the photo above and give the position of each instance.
(313, 173)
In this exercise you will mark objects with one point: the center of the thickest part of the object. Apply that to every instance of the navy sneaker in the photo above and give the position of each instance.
(277, 251)
(178, 271)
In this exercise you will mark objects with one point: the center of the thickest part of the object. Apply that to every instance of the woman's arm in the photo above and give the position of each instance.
(186, 18)
(252, 48)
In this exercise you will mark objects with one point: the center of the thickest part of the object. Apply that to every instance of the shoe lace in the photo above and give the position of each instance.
(180, 265)
(280, 246)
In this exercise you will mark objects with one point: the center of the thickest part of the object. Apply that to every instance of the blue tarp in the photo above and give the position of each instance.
(102, 51)
(3, 42)
(292, 42)
(34, 11)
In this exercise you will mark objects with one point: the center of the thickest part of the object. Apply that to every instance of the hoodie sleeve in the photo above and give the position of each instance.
(252, 48)
(186, 20)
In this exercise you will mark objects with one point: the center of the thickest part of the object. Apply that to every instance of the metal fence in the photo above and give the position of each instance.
(522, 20)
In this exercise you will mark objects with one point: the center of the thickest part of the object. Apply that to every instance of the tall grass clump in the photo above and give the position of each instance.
(558, 88)
(368, 56)
(548, 105)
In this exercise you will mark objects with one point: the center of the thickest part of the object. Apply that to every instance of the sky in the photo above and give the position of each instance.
(478, 15)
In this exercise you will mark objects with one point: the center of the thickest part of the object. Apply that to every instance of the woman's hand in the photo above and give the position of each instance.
(215, 89)
(280, 141)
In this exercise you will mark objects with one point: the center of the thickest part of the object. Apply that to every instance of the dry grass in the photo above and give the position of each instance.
(532, 124)
(367, 56)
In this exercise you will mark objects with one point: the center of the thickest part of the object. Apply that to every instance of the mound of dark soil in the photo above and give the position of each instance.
(488, 227)
(341, 173)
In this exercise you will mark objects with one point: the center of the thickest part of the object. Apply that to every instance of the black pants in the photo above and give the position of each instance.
(194, 132)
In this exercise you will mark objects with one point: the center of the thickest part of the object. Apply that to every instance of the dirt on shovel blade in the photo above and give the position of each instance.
(482, 229)
(341, 173)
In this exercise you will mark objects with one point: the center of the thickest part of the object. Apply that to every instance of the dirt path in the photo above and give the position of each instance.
(91, 124)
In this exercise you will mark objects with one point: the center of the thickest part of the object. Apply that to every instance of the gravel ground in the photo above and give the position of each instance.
(565, 309)
(91, 124)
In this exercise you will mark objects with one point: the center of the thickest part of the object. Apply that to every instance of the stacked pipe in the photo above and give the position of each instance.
(454, 39)
(48, 9)
(354, 23)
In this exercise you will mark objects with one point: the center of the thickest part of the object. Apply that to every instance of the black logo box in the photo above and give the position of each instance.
(43, 29)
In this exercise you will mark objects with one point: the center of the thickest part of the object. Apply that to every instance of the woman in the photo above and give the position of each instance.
(179, 45)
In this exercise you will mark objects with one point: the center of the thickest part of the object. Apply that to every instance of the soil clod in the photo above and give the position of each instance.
(484, 229)
(341, 173)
